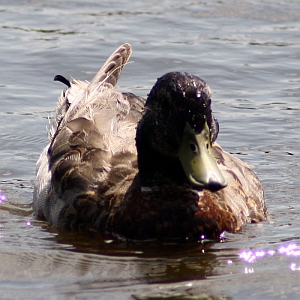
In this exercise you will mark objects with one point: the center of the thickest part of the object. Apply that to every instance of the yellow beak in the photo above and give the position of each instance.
(195, 155)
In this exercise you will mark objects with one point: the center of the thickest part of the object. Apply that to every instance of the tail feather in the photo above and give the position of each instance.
(111, 70)
(79, 93)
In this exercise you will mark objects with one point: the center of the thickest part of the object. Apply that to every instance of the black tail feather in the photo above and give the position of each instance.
(62, 79)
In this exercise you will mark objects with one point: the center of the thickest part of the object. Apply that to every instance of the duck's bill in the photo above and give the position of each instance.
(199, 165)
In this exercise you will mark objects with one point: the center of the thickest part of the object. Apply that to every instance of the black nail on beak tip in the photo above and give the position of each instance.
(215, 186)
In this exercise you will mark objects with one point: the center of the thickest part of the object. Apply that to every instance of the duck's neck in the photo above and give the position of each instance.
(156, 170)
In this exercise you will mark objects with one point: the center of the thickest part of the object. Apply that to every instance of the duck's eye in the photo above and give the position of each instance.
(193, 148)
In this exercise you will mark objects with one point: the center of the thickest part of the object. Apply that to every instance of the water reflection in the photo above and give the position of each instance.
(152, 260)
(90, 266)
(161, 270)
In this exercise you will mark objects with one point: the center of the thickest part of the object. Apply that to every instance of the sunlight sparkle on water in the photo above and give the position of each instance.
(222, 235)
(289, 250)
(249, 270)
(202, 237)
(3, 197)
(294, 267)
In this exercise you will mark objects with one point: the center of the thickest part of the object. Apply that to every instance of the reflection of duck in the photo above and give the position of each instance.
(181, 184)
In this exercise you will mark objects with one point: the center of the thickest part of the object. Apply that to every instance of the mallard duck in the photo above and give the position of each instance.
(120, 165)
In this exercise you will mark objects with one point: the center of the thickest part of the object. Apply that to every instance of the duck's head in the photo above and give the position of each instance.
(177, 131)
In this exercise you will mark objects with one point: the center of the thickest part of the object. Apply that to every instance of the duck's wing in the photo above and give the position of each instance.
(244, 194)
(95, 132)
(77, 91)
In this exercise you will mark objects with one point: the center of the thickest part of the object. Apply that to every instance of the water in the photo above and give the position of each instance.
(247, 51)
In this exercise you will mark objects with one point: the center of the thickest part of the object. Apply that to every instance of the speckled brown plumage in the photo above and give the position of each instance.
(113, 166)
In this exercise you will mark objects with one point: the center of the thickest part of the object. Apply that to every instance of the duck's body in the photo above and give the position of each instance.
(93, 177)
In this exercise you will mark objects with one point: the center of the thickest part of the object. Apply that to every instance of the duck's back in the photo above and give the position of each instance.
(93, 132)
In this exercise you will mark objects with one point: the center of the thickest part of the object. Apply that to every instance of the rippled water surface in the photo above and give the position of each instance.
(247, 51)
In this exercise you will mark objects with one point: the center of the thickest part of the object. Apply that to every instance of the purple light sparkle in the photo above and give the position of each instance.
(3, 197)
(289, 250)
(294, 267)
